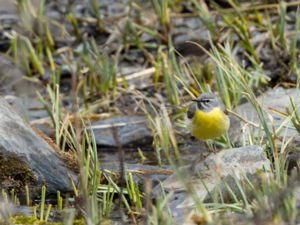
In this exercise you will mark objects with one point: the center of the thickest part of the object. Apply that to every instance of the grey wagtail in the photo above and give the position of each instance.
(206, 117)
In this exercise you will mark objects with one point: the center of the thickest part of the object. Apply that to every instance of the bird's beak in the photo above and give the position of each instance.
(195, 100)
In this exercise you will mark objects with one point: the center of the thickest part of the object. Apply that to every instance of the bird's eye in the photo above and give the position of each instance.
(205, 101)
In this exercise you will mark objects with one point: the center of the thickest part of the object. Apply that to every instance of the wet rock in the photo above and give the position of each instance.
(275, 102)
(203, 177)
(27, 158)
(130, 130)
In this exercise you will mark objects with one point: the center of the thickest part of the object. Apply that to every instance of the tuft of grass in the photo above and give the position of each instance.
(161, 9)
(164, 139)
(101, 72)
(75, 25)
(241, 27)
(161, 213)
(206, 17)
(173, 74)
(295, 115)
(54, 111)
(293, 46)
(26, 54)
(281, 27)
(96, 13)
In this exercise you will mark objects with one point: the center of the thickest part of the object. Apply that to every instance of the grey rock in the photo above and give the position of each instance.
(190, 29)
(45, 128)
(273, 101)
(202, 178)
(21, 93)
(130, 130)
(31, 111)
(18, 105)
(28, 108)
(19, 141)
(13, 80)
(36, 109)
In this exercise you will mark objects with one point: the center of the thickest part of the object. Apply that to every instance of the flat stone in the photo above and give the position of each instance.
(130, 130)
(272, 102)
(33, 157)
(205, 176)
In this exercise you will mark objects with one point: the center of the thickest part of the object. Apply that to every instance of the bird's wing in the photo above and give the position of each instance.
(191, 111)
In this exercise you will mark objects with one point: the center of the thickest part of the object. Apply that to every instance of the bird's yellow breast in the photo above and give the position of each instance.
(209, 125)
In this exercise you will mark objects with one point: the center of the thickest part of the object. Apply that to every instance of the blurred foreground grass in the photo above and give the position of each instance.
(237, 61)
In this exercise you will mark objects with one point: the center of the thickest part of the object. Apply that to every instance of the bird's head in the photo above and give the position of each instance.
(208, 101)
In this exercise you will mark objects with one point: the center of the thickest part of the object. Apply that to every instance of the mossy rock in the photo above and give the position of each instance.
(14, 174)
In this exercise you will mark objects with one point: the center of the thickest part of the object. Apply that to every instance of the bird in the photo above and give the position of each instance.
(206, 117)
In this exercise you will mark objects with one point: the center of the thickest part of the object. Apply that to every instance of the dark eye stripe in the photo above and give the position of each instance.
(205, 101)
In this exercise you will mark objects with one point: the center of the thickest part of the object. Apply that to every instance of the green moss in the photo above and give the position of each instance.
(79, 222)
(31, 220)
(23, 220)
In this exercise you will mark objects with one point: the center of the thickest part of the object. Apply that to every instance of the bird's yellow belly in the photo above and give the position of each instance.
(209, 125)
